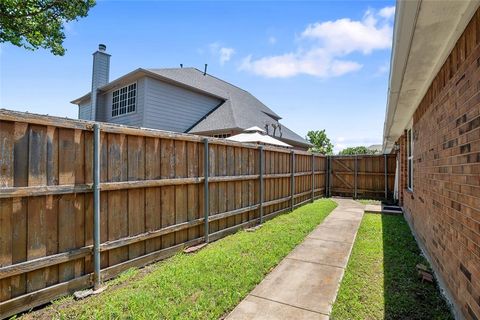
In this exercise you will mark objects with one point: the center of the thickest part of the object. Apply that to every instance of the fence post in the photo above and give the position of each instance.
(356, 176)
(386, 173)
(97, 281)
(313, 177)
(326, 176)
(206, 197)
(261, 183)
(329, 176)
(292, 181)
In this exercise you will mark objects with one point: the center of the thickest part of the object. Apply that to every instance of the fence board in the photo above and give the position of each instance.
(151, 202)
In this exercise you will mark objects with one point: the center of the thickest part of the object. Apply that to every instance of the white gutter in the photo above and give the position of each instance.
(406, 13)
(425, 33)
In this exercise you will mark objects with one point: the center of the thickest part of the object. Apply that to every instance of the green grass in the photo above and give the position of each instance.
(204, 285)
(381, 280)
(369, 201)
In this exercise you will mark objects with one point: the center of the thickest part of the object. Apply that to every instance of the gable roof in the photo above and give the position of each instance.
(240, 109)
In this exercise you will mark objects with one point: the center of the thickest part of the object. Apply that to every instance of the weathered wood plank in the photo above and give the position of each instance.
(152, 195)
(230, 199)
(117, 200)
(6, 205)
(36, 232)
(37, 298)
(168, 193)
(238, 184)
(181, 196)
(213, 190)
(192, 190)
(222, 186)
(43, 262)
(136, 197)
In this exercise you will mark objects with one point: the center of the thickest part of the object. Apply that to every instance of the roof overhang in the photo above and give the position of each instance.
(137, 74)
(425, 33)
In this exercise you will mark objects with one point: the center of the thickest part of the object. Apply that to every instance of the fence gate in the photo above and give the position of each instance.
(362, 176)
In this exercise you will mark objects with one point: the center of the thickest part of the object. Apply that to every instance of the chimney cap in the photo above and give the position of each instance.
(102, 47)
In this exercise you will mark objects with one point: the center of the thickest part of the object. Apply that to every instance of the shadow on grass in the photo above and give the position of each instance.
(405, 296)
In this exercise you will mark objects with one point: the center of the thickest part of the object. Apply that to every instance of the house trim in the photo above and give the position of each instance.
(417, 56)
(135, 75)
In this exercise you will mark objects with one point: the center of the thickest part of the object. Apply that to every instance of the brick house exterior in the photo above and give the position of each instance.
(443, 207)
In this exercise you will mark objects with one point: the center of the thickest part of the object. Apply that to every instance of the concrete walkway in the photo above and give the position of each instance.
(304, 285)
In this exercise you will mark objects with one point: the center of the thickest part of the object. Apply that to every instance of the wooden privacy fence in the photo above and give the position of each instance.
(158, 192)
(361, 176)
(81, 202)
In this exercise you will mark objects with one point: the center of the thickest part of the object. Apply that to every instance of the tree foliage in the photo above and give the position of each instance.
(357, 150)
(321, 143)
(34, 24)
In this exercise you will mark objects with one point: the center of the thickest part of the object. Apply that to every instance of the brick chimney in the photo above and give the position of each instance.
(100, 74)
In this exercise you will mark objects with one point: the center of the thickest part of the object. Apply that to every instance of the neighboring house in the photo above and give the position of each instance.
(375, 148)
(433, 124)
(177, 99)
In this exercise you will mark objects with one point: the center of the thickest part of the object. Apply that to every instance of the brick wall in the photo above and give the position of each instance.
(444, 207)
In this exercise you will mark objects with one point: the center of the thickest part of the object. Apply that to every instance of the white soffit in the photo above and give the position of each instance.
(425, 33)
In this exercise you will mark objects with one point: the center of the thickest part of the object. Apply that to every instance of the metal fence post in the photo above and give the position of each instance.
(356, 177)
(261, 183)
(97, 281)
(292, 181)
(206, 197)
(386, 173)
(313, 177)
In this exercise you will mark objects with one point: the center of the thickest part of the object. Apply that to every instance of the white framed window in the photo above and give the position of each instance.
(222, 135)
(410, 159)
(124, 100)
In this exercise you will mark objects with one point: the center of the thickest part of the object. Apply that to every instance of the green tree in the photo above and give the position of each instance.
(321, 143)
(34, 24)
(357, 150)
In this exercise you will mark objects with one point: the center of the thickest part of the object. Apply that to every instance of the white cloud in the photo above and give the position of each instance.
(387, 12)
(314, 62)
(327, 45)
(272, 40)
(345, 36)
(340, 143)
(224, 53)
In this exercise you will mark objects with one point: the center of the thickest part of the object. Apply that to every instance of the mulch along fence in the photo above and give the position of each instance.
(153, 199)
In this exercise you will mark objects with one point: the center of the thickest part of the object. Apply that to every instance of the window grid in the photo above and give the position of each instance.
(123, 100)
(222, 135)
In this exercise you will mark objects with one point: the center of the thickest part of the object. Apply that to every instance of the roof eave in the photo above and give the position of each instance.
(139, 72)
(417, 50)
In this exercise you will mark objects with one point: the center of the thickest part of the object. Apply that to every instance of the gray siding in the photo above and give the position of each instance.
(131, 119)
(168, 107)
(85, 111)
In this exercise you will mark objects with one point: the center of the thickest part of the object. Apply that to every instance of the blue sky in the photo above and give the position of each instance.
(319, 64)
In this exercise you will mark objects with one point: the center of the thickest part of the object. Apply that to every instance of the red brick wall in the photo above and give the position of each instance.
(444, 206)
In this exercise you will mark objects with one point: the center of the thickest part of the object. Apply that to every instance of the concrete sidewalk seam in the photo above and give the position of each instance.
(309, 277)
(287, 304)
(319, 263)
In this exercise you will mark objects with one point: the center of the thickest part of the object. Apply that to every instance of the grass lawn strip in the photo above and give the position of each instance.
(204, 285)
(381, 280)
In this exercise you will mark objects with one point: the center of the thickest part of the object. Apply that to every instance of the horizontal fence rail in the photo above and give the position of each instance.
(155, 193)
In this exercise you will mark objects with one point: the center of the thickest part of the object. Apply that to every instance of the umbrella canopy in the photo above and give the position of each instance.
(257, 137)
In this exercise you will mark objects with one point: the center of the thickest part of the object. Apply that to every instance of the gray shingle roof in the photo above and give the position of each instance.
(240, 110)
